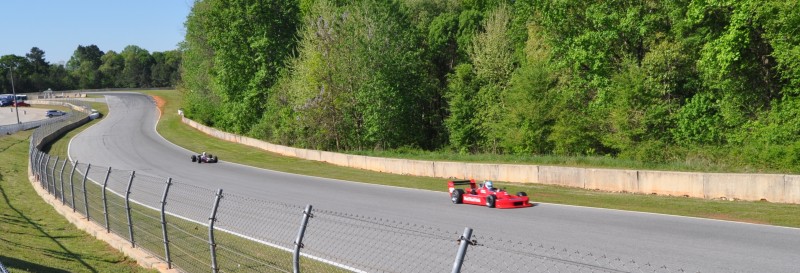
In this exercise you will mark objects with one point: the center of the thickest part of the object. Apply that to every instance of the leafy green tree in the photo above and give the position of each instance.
(39, 69)
(84, 65)
(111, 69)
(492, 58)
(462, 123)
(359, 80)
(528, 118)
(200, 101)
(165, 70)
(136, 72)
(250, 41)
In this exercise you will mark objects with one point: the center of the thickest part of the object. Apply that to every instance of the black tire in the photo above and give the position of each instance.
(522, 193)
(490, 201)
(457, 196)
(215, 159)
(194, 158)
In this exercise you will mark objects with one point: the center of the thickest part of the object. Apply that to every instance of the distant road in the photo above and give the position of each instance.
(126, 139)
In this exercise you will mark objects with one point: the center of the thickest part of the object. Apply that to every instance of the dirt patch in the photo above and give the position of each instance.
(160, 102)
(725, 217)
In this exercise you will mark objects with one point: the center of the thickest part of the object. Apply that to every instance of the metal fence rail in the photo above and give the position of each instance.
(198, 229)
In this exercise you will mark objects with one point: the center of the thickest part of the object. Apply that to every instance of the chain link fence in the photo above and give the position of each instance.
(196, 229)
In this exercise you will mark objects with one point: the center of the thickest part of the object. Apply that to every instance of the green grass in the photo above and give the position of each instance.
(175, 131)
(33, 236)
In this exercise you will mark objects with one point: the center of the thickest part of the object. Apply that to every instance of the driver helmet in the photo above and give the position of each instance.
(204, 154)
(489, 185)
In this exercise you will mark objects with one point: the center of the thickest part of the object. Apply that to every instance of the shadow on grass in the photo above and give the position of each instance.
(65, 253)
(12, 263)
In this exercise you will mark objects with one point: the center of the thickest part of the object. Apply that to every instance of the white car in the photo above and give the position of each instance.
(95, 114)
(54, 113)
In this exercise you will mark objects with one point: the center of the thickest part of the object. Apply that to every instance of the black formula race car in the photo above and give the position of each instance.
(207, 158)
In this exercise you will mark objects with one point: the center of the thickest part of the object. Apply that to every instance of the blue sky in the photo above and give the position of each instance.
(59, 26)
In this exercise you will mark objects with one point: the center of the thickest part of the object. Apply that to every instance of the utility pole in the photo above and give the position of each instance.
(16, 107)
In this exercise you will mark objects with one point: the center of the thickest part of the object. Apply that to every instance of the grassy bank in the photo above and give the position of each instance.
(35, 238)
(172, 129)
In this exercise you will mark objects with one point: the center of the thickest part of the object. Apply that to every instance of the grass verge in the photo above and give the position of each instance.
(175, 131)
(35, 238)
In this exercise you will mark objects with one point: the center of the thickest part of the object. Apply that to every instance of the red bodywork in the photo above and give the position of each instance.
(21, 104)
(479, 195)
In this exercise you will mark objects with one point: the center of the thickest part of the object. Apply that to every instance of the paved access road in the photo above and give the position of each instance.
(126, 139)
(9, 116)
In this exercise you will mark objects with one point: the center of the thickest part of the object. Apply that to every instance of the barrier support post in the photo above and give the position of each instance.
(164, 223)
(298, 242)
(128, 208)
(86, 198)
(72, 185)
(462, 249)
(212, 244)
(105, 201)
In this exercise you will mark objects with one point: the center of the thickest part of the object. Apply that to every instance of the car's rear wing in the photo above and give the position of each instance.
(451, 185)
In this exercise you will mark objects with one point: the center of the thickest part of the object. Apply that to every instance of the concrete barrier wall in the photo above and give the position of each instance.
(770, 187)
(744, 186)
(611, 180)
(791, 189)
(671, 183)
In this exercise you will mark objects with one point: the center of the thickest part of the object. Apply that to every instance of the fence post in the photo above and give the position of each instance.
(164, 224)
(40, 168)
(212, 244)
(61, 178)
(462, 249)
(71, 185)
(128, 207)
(36, 165)
(47, 176)
(298, 243)
(105, 203)
(52, 179)
(85, 198)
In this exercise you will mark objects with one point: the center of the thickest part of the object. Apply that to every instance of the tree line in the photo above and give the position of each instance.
(655, 81)
(91, 68)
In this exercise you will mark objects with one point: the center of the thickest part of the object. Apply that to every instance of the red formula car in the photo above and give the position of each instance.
(486, 195)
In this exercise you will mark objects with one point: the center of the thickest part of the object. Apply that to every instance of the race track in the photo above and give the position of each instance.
(126, 139)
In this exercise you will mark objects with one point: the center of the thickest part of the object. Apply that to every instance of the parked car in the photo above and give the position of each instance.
(54, 113)
(95, 114)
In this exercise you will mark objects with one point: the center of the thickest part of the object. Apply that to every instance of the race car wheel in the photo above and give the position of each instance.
(194, 158)
(522, 193)
(490, 201)
(216, 159)
(457, 196)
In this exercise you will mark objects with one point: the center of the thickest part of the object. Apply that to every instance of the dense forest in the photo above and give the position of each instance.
(91, 68)
(656, 81)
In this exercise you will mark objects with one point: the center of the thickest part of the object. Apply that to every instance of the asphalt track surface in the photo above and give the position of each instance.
(126, 139)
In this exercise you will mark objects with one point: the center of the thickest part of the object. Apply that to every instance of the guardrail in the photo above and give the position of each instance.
(198, 229)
